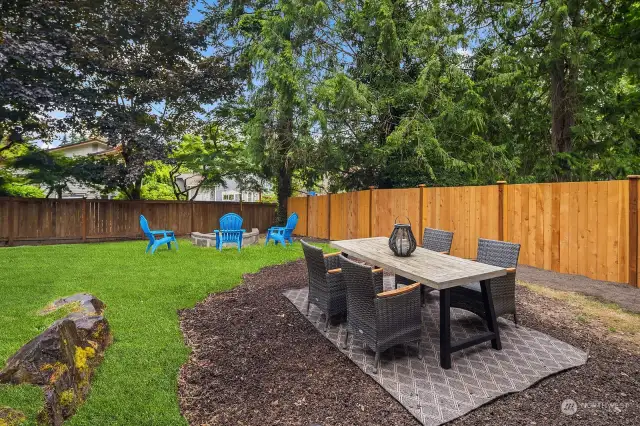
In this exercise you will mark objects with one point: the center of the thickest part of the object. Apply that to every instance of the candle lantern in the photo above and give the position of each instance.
(402, 242)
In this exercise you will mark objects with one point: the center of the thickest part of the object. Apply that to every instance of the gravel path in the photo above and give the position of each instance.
(257, 361)
(622, 294)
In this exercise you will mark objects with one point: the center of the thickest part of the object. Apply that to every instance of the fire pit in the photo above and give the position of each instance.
(209, 240)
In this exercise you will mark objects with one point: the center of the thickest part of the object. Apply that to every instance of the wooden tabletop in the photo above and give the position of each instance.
(428, 267)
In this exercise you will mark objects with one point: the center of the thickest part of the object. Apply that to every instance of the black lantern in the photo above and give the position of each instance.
(402, 242)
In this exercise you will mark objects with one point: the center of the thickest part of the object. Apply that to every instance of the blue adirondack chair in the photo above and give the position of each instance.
(167, 238)
(230, 231)
(282, 234)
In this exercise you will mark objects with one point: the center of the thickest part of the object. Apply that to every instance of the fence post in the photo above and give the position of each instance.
(329, 215)
(193, 218)
(84, 219)
(633, 230)
(371, 189)
(421, 209)
(501, 224)
(11, 208)
(306, 234)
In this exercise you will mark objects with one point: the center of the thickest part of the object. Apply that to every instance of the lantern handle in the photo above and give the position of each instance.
(396, 219)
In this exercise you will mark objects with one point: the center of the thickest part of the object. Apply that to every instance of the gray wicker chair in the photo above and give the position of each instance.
(326, 286)
(381, 319)
(503, 289)
(435, 240)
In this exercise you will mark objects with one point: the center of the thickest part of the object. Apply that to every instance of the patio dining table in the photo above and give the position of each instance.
(441, 272)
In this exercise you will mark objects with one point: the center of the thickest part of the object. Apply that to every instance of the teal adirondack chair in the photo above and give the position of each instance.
(282, 234)
(230, 231)
(154, 241)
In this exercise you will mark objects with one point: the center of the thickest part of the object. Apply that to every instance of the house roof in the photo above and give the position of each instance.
(92, 140)
(75, 144)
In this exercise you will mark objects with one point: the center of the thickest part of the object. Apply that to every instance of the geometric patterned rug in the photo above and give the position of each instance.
(478, 374)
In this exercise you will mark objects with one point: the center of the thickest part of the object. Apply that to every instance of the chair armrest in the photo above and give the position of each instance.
(331, 262)
(332, 254)
(161, 232)
(398, 291)
(334, 271)
(378, 280)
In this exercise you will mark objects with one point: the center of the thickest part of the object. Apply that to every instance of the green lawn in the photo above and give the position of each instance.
(137, 382)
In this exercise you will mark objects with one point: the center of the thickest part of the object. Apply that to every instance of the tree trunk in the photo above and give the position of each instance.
(136, 190)
(564, 75)
(562, 111)
(284, 192)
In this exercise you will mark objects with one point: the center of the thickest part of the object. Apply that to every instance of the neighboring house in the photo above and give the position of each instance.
(227, 192)
(92, 146)
(97, 146)
(81, 149)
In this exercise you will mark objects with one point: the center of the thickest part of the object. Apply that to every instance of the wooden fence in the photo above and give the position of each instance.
(586, 228)
(41, 221)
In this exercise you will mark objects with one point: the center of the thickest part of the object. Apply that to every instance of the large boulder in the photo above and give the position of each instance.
(62, 359)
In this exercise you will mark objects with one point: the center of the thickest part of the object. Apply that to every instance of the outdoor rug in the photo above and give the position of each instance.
(478, 375)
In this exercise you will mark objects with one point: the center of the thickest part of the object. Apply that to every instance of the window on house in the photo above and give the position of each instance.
(228, 196)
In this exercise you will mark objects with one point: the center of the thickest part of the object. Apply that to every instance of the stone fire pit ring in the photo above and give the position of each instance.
(209, 240)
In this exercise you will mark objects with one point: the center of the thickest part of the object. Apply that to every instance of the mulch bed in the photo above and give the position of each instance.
(257, 361)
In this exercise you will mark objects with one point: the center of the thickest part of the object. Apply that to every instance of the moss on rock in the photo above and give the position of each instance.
(11, 417)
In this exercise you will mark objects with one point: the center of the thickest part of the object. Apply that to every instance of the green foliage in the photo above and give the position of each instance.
(404, 111)
(559, 85)
(154, 190)
(132, 71)
(52, 171)
(277, 44)
(205, 161)
(21, 190)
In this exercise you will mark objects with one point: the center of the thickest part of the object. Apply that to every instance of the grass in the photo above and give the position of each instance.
(137, 381)
(623, 324)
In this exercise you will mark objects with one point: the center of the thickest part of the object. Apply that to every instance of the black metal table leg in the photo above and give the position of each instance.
(445, 328)
(490, 312)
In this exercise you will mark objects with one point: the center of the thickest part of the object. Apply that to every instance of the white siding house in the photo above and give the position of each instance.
(227, 192)
(91, 146)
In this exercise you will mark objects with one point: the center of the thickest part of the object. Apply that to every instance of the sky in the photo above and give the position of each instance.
(195, 15)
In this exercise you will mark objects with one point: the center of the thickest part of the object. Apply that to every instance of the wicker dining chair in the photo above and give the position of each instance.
(503, 289)
(383, 319)
(435, 240)
(326, 286)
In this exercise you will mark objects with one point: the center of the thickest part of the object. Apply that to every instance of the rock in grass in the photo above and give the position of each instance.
(61, 360)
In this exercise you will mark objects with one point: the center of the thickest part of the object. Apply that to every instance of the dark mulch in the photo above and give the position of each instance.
(257, 361)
